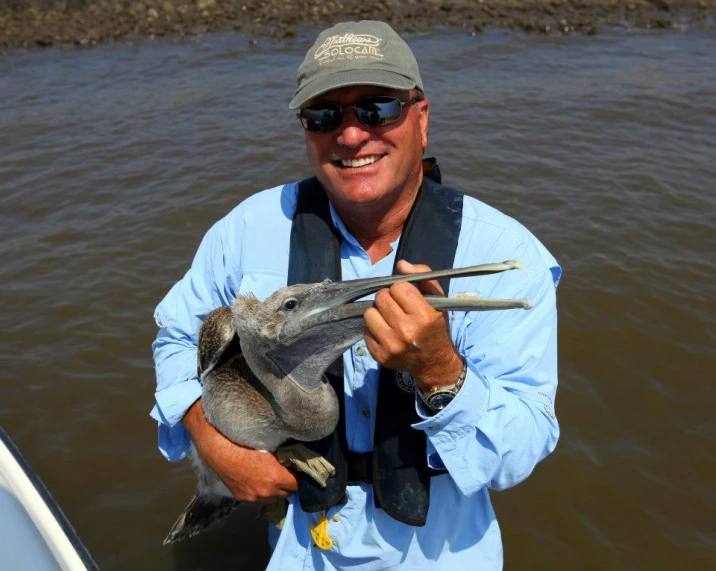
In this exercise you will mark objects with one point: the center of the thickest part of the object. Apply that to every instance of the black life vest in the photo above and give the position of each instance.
(397, 466)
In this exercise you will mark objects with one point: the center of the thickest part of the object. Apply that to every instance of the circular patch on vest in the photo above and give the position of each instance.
(405, 381)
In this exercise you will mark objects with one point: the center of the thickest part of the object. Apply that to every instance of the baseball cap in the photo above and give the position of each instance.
(356, 53)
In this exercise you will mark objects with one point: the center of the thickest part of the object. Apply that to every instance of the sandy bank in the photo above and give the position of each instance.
(42, 23)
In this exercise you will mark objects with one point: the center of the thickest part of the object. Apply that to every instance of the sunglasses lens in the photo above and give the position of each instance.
(376, 111)
(322, 118)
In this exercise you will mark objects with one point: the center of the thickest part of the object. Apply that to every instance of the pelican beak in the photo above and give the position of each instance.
(339, 295)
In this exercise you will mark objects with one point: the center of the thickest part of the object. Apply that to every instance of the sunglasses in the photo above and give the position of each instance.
(374, 111)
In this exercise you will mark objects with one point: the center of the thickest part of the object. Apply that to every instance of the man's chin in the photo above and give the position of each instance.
(365, 191)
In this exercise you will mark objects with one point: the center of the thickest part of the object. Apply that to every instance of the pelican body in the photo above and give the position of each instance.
(262, 365)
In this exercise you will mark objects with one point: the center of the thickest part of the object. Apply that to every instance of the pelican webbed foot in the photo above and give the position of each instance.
(307, 461)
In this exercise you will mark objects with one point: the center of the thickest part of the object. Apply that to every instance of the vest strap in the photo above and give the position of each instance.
(315, 255)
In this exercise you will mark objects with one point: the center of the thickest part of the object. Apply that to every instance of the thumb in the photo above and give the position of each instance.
(427, 287)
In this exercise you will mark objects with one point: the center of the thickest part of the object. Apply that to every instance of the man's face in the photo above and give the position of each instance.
(392, 153)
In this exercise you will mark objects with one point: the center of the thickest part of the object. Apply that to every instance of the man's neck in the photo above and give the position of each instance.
(377, 227)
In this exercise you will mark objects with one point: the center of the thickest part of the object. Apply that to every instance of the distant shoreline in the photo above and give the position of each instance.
(44, 23)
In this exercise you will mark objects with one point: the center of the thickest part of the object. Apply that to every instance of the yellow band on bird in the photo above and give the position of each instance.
(319, 532)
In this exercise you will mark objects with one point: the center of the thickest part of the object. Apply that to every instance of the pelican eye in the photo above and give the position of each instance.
(290, 304)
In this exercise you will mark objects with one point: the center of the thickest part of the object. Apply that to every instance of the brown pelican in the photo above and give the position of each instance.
(262, 364)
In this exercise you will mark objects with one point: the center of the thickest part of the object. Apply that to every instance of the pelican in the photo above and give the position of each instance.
(262, 364)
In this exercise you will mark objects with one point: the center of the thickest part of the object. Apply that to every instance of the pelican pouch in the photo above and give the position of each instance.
(397, 467)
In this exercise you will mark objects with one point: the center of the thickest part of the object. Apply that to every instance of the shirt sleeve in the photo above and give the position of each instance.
(212, 281)
(502, 422)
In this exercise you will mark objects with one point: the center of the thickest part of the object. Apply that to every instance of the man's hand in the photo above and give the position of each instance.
(251, 475)
(404, 333)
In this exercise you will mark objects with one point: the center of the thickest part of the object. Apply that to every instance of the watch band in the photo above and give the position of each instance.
(437, 398)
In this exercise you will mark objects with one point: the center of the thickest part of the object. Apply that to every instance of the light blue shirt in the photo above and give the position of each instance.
(490, 437)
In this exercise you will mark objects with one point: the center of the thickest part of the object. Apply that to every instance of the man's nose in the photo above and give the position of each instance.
(352, 132)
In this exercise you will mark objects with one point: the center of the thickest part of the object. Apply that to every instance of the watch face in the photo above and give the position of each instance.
(440, 400)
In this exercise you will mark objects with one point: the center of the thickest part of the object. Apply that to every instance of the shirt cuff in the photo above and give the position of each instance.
(456, 421)
(172, 404)
(173, 401)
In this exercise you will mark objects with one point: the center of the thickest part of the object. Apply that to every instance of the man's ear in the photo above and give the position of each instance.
(423, 117)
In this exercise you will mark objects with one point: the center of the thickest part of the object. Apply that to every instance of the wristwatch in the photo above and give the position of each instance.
(437, 398)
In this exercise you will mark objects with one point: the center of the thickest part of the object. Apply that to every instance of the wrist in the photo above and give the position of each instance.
(440, 396)
(194, 420)
(440, 373)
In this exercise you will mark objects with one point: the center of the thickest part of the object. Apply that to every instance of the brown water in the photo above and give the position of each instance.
(114, 162)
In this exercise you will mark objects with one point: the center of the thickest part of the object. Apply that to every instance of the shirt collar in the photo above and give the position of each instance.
(338, 223)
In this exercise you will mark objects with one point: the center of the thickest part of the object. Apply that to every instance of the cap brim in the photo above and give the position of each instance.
(323, 85)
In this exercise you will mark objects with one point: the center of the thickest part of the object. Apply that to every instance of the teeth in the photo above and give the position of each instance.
(355, 163)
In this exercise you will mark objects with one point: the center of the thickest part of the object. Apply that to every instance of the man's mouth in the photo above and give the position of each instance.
(357, 163)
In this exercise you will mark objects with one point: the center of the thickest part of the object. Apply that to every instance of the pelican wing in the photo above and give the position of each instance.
(216, 334)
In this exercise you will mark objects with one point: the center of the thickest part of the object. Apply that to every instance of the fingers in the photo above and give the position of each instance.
(267, 482)
(404, 332)
(382, 341)
(402, 329)
(400, 312)
(396, 315)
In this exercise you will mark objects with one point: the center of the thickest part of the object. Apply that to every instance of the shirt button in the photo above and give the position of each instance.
(435, 427)
(360, 351)
(365, 412)
(336, 518)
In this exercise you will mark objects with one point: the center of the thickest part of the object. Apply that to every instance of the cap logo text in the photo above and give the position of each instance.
(349, 46)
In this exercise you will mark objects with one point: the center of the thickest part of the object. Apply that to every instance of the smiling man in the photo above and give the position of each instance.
(435, 412)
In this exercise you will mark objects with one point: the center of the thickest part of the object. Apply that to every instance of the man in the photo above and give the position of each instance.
(479, 386)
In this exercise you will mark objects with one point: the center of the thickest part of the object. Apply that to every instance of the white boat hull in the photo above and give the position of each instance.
(34, 533)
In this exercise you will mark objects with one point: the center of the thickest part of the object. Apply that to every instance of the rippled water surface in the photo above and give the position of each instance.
(116, 160)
